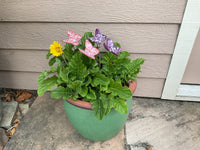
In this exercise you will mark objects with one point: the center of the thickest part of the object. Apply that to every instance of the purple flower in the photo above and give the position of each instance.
(109, 45)
(98, 37)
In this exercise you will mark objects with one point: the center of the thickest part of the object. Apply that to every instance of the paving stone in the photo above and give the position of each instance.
(24, 108)
(46, 127)
(9, 110)
(166, 125)
(3, 138)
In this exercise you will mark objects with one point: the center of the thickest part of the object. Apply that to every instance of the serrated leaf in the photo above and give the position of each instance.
(98, 108)
(123, 54)
(64, 71)
(68, 52)
(45, 73)
(120, 105)
(106, 102)
(61, 92)
(100, 79)
(46, 85)
(52, 61)
(103, 87)
(48, 55)
(88, 81)
(75, 85)
(117, 90)
(83, 91)
(91, 94)
(58, 62)
(77, 68)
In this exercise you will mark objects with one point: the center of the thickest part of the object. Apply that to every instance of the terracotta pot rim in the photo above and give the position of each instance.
(88, 105)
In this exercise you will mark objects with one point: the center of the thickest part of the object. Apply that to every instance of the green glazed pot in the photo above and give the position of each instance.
(84, 121)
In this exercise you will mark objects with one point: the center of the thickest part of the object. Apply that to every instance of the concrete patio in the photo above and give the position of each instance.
(153, 124)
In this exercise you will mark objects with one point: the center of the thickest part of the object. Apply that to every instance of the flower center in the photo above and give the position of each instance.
(58, 49)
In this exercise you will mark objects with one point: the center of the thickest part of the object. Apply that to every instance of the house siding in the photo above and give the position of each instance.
(146, 29)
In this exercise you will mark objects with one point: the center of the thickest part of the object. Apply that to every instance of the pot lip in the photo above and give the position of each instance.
(88, 105)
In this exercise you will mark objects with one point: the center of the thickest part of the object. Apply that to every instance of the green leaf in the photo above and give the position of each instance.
(82, 46)
(45, 74)
(64, 72)
(61, 92)
(52, 61)
(77, 68)
(103, 87)
(134, 68)
(48, 55)
(117, 90)
(46, 85)
(83, 91)
(100, 79)
(120, 105)
(106, 102)
(68, 52)
(58, 62)
(75, 85)
(88, 81)
(123, 54)
(117, 44)
(91, 94)
(98, 108)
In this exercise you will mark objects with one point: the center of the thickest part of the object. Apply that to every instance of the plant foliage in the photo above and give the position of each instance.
(101, 81)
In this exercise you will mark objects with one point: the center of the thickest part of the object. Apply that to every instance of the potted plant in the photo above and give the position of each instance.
(96, 88)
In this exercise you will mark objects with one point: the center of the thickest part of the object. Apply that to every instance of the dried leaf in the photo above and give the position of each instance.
(149, 147)
(14, 127)
(8, 97)
(22, 95)
(18, 113)
(16, 123)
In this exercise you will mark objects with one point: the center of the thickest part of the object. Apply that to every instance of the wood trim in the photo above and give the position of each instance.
(186, 38)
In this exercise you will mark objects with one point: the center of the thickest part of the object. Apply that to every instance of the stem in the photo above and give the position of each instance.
(99, 62)
(64, 59)
(109, 61)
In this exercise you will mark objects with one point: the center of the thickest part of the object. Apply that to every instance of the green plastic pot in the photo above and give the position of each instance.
(83, 120)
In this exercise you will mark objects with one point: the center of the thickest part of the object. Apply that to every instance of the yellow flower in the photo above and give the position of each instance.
(56, 49)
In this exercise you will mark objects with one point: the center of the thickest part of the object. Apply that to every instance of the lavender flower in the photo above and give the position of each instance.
(109, 45)
(98, 37)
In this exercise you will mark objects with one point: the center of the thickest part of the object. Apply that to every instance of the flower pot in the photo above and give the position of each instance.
(82, 118)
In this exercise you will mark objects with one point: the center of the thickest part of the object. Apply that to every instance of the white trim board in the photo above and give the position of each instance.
(185, 41)
(189, 90)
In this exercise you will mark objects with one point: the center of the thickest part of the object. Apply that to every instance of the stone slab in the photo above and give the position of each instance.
(3, 138)
(165, 125)
(46, 127)
(24, 108)
(9, 110)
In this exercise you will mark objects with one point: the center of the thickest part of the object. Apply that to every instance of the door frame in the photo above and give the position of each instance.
(184, 44)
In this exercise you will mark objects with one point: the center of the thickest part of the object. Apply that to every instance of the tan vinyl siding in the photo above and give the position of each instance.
(146, 29)
(22, 60)
(146, 87)
(102, 11)
(135, 38)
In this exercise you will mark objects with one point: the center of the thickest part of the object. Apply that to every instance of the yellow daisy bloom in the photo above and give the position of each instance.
(56, 49)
